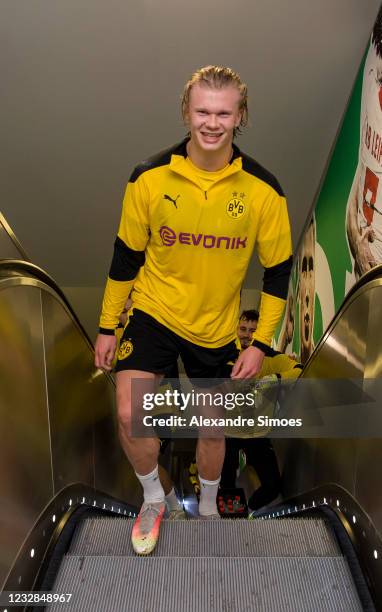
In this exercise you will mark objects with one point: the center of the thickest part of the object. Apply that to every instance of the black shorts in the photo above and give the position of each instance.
(149, 346)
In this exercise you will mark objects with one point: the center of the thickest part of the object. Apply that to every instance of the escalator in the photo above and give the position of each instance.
(209, 565)
(65, 528)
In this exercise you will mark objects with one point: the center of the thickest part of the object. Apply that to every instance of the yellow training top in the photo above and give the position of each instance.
(184, 243)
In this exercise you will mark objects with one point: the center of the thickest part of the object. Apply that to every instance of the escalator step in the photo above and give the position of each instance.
(224, 538)
(206, 584)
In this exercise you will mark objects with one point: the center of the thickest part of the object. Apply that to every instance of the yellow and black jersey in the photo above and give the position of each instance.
(281, 364)
(184, 243)
(274, 362)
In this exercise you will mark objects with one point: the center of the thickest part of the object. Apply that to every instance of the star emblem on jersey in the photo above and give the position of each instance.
(167, 197)
(125, 349)
(235, 208)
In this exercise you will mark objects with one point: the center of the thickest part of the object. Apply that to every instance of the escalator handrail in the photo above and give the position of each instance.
(22, 268)
(13, 238)
(373, 274)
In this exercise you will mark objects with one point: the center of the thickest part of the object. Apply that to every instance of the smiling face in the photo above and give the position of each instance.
(245, 331)
(307, 291)
(212, 115)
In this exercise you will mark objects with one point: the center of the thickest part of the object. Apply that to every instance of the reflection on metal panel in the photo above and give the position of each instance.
(25, 466)
(373, 366)
(54, 406)
(368, 489)
(350, 350)
(297, 476)
(343, 353)
(336, 461)
(71, 403)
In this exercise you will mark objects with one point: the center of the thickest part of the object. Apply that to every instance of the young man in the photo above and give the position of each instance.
(259, 451)
(247, 327)
(191, 218)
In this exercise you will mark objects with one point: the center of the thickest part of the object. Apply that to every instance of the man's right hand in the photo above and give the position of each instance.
(104, 349)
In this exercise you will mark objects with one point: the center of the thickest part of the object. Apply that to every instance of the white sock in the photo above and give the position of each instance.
(152, 488)
(208, 493)
(172, 502)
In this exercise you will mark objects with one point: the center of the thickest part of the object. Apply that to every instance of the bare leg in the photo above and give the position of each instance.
(210, 457)
(141, 452)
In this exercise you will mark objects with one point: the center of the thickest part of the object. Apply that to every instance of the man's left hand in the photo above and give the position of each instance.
(248, 364)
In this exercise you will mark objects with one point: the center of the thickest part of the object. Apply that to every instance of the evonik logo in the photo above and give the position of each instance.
(206, 241)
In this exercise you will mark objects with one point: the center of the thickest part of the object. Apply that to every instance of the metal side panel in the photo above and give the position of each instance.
(225, 538)
(368, 479)
(206, 584)
(85, 444)
(71, 403)
(26, 483)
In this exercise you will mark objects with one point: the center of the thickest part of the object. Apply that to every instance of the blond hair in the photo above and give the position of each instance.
(218, 77)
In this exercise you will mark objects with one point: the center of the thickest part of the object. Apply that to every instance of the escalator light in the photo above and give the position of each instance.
(83, 500)
(354, 520)
(70, 502)
(94, 503)
(32, 553)
(325, 500)
(303, 506)
(338, 503)
(54, 518)
(375, 554)
(314, 504)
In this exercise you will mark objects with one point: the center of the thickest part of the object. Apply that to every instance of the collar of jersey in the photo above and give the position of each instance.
(178, 163)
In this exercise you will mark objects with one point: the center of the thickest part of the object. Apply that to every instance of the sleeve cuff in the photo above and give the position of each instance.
(260, 345)
(106, 332)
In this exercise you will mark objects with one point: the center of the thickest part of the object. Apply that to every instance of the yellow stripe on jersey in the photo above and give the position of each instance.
(270, 312)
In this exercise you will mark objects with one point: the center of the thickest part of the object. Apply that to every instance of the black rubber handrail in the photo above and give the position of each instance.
(18, 267)
(373, 274)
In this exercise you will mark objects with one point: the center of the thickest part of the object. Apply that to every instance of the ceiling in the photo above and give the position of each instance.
(89, 88)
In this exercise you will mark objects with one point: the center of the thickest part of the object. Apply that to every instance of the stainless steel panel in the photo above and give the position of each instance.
(297, 465)
(85, 444)
(351, 349)
(368, 487)
(71, 401)
(373, 367)
(343, 354)
(336, 461)
(25, 466)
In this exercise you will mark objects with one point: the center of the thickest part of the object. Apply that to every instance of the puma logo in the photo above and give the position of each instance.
(167, 197)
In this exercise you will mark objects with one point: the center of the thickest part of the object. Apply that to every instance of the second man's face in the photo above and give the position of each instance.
(212, 116)
(245, 331)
